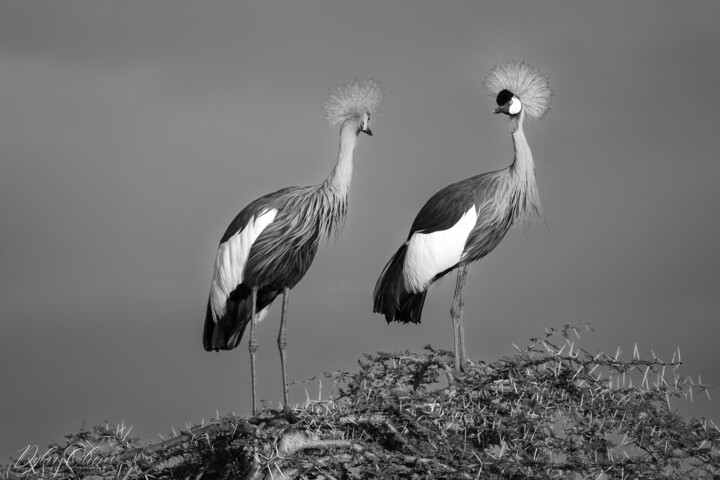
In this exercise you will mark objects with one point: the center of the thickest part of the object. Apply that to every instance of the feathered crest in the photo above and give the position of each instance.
(526, 82)
(352, 99)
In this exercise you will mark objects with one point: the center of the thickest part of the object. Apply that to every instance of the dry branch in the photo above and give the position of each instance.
(552, 410)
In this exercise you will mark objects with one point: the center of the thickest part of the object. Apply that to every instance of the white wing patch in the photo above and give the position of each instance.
(431, 253)
(231, 259)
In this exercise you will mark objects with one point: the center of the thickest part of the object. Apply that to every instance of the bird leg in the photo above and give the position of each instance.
(282, 345)
(253, 346)
(456, 312)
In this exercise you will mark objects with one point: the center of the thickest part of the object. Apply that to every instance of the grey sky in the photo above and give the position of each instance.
(131, 133)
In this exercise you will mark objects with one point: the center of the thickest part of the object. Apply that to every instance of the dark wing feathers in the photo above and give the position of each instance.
(444, 209)
(272, 200)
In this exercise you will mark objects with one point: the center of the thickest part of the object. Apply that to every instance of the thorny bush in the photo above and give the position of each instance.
(551, 410)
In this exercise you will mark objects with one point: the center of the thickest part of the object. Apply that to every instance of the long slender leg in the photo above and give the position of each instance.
(463, 355)
(282, 345)
(253, 347)
(456, 312)
(456, 340)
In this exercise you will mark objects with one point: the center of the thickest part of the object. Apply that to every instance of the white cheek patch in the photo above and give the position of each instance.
(431, 253)
(515, 106)
(231, 259)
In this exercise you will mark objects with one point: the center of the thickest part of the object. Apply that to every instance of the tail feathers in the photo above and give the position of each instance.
(390, 297)
(411, 309)
(227, 332)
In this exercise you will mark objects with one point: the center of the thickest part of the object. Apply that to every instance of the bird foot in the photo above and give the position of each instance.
(289, 415)
(466, 366)
(461, 369)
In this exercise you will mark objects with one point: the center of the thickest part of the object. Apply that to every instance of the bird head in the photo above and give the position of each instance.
(508, 103)
(353, 104)
(511, 81)
(365, 124)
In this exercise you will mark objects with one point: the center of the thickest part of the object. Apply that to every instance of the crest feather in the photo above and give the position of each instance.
(526, 82)
(352, 99)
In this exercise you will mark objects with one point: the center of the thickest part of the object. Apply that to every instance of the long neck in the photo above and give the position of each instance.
(522, 170)
(334, 200)
(339, 179)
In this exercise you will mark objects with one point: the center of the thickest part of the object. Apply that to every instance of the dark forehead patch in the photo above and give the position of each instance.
(504, 96)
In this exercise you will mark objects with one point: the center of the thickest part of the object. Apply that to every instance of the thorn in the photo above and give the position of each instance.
(715, 426)
(127, 433)
(644, 379)
(662, 376)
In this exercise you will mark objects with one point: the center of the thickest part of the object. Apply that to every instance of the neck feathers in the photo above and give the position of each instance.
(334, 190)
(339, 180)
(522, 173)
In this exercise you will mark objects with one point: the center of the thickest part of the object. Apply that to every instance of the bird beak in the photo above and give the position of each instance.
(368, 131)
(502, 108)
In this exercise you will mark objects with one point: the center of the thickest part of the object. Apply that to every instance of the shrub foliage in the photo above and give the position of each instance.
(551, 410)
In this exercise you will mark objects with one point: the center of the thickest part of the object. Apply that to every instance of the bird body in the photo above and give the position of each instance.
(459, 225)
(465, 221)
(270, 245)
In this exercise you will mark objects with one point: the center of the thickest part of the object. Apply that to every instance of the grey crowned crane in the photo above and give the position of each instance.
(269, 246)
(465, 221)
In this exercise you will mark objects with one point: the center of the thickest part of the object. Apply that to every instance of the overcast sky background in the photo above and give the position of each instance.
(131, 133)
